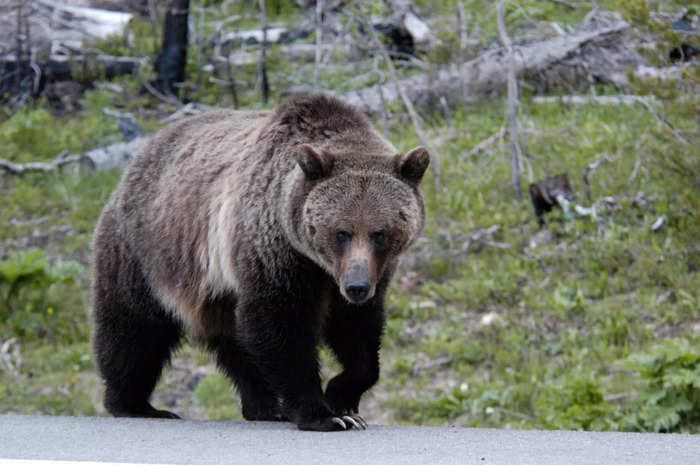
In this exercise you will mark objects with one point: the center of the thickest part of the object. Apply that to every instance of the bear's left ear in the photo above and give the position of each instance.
(412, 166)
(315, 164)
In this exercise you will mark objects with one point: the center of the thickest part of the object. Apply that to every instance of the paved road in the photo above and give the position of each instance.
(192, 442)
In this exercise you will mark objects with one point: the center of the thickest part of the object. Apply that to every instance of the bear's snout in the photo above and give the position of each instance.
(356, 285)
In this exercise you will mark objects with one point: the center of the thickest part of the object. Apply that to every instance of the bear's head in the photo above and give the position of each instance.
(357, 213)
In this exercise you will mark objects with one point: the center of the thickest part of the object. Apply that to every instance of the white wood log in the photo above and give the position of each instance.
(92, 21)
(485, 73)
(112, 156)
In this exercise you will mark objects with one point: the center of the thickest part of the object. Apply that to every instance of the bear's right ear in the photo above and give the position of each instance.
(314, 164)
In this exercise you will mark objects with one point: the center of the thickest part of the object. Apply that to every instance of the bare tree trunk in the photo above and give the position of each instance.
(513, 134)
(232, 81)
(462, 27)
(319, 34)
(262, 64)
(30, 56)
(171, 61)
(19, 49)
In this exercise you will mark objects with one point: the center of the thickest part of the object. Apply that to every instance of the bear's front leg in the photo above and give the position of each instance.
(279, 336)
(354, 334)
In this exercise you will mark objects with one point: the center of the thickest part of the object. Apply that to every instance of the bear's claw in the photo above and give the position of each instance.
(339, 423)
(350, 419)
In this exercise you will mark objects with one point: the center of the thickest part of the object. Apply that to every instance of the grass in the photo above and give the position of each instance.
(565, 316)
(581, 325)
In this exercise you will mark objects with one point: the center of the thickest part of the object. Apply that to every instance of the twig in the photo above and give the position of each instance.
(483, 235)
(20, 168)
(635, 171)
(438, 362)
(486, 143)
(186, 110)
(663, 120)
(448, 117)
(506, 411)
(590, 170)
(619, 396)
(514, 143)
(171, 100)
(383, 112)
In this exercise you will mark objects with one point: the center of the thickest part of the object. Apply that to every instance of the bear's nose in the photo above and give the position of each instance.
(357, 291)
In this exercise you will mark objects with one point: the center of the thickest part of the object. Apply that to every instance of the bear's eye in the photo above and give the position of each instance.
(343, 237)
(380, 239)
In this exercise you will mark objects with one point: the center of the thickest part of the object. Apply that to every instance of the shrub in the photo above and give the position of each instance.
(669, 400)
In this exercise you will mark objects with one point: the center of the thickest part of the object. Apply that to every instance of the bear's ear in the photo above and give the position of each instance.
(411, 167)
(315, 164)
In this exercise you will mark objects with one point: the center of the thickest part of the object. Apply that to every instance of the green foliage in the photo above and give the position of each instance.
(35, 134)
(28, 305)
(575, 401)
(215, 393)
(571, 306)
(669, 398)
(636, 11)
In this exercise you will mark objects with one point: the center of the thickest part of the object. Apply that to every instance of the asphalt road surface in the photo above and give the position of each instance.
(35, 440)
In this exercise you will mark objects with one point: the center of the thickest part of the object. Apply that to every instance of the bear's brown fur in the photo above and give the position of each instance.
(263, 234)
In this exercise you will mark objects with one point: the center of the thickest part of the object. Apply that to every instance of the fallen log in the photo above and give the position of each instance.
(112, 156)
(20, 168)
(99, 159)
(487, 72)
(578, 100)
(93, 22)
(57, 68)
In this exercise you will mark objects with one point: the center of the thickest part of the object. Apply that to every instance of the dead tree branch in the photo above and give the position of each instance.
(513, 102)
(20, 168)
(590, 170)
(486, 143)
(415, 119)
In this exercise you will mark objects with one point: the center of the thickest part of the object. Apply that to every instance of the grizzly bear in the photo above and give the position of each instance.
(263, 235)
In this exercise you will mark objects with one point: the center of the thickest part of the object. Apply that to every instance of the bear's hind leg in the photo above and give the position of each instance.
(131, 356)
(134, 336)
